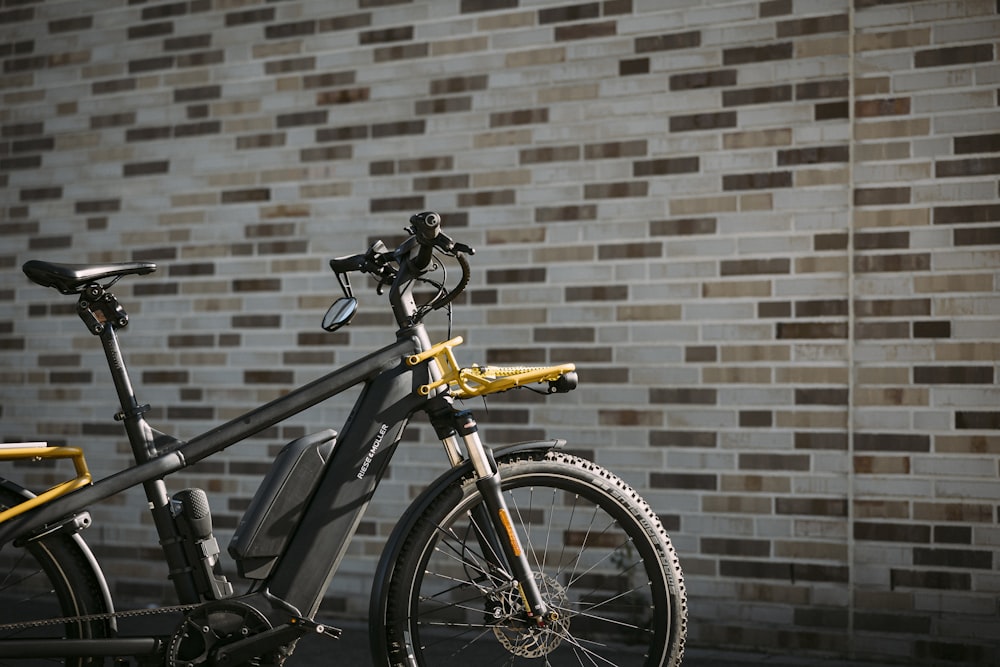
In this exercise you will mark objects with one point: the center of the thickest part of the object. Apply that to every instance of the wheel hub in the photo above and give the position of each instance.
(522, 636)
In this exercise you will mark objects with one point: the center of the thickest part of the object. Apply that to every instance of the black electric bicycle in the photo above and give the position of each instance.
(520, 555)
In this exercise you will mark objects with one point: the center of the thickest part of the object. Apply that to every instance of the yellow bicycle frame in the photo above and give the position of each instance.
(38, 451)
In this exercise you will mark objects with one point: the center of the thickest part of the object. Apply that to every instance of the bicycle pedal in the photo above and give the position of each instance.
(318, 628)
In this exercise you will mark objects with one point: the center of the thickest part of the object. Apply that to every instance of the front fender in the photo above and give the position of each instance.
(380, 587)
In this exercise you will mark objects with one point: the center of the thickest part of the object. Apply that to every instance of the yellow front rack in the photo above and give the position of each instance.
(480, 380)
(39, 451)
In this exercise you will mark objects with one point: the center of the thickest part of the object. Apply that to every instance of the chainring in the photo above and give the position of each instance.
(210, 626)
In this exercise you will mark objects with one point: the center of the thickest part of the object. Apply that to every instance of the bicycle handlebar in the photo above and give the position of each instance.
(412, 259)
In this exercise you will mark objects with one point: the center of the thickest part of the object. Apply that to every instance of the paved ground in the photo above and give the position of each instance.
(351, 650)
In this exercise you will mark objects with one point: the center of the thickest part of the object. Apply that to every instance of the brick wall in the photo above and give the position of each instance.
(766, 232)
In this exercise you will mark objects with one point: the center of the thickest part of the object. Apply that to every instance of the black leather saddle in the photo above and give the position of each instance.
(73, 278)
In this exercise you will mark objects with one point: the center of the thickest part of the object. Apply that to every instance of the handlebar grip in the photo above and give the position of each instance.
(426, 226)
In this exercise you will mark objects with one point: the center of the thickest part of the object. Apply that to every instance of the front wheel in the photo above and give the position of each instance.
(598, 552)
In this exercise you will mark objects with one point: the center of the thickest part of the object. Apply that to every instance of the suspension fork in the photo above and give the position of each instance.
(498, 536)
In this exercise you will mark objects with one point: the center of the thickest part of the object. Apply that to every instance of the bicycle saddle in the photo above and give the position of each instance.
(72, 278)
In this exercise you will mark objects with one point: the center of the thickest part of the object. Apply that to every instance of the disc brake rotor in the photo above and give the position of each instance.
(522, 637)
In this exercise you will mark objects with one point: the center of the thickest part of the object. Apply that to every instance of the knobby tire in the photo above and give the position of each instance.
(600, 556)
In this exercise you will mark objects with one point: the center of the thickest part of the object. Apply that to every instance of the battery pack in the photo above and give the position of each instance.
(277, 507)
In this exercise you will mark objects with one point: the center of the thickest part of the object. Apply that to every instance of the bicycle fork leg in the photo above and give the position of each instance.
(504, 533)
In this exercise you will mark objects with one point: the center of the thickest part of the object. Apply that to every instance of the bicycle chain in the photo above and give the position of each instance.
(27, 625)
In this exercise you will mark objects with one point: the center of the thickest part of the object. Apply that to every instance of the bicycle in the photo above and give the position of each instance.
(522, 554)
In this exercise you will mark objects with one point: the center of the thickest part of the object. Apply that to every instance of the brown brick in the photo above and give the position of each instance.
(892, 263)
(575, 12)
(507, 276)
(683, 396)
(891, 442)
(813, 25)
(730, 546)
(666, 166)
(821, 440)
(449, 182)
(683, 226)
(597, 293)
(649, 313)
(948, 215)
(157, 29)
(187, 42)
(821, 308)
(288, 65)
(744, 267)
(811, 506)
(892, 307)
(957, 558)
(821, 396)
(385, 35)
(770, 8)
(811, 330)
(761, 95)
(459, 84)
(566, 213)
(616, 149)
(257, 285)
(897, 106)
(615, 190)
(978, 143)
(755, 54)
(814, 155)
(668, 42)
(688, 481)
(290, 30)
(345, 22)
(386, 204)
(970, 419)
(145, 168)
(967, 167)
(244, 196)
(892, 532)
(935, 580)
(832, 110)
(633, 67)
(756, 419)
(757, 181)
(707, 79)
(520, 117)
(702, 121)
(317, 117)
(937, 375)
(550, 154)
(578, 31)
(638, 250)
(399, 128)
(779, 462)
(503, 197)
(932, 329)
(954, 55)
(758, 570)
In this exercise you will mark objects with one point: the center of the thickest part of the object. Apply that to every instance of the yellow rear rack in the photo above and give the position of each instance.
(480, 380)
(39, 451)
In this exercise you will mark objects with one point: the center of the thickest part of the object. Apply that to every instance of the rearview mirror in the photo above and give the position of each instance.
(340, 313)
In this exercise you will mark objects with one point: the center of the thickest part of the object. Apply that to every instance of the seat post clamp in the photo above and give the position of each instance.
(98, 307)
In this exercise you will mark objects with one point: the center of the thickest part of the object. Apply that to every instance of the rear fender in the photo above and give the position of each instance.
(88, 555)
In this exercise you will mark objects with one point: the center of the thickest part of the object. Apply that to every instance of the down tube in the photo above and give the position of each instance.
(359, 461)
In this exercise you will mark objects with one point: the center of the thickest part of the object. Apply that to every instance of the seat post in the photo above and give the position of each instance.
(103, 315)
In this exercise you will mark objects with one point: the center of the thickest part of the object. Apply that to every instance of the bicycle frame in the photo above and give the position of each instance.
(396, 381)
(381, 412)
